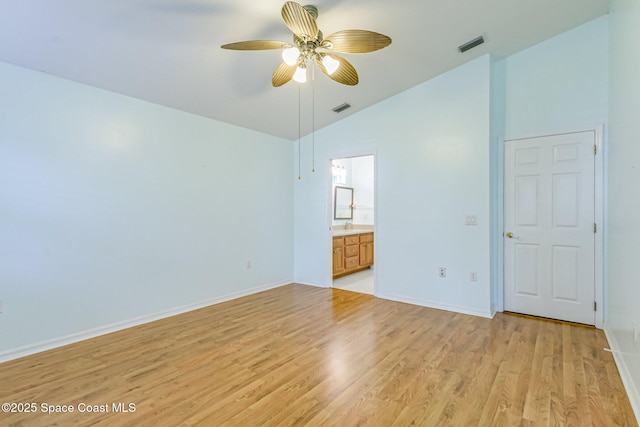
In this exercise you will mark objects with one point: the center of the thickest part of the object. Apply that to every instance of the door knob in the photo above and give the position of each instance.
(510, 235)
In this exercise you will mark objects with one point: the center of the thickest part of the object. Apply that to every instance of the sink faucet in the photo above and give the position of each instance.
(347, 225)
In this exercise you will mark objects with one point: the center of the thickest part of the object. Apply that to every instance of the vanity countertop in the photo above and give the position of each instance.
(348, 232)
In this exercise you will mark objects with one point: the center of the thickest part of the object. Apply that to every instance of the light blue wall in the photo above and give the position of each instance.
(560, 84)
(497, 134)
(431, 146)
(112, 208)
(623, 231)
(426, 184)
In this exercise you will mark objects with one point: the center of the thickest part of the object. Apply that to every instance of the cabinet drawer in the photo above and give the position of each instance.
(338, 242)
(351, 240)
(352, 250)
(351, 262)
(366, 238)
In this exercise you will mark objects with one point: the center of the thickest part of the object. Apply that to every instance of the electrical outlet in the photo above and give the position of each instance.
(473, 276)
(248, 264)
(443, 272)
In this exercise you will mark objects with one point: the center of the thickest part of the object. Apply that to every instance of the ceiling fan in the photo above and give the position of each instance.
(309, 45)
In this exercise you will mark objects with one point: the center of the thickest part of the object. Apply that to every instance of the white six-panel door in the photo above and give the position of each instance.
(549, 227)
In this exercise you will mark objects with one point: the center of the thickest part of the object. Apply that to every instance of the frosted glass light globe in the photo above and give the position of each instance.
(290, 55)
(330, 64)
(300, 75)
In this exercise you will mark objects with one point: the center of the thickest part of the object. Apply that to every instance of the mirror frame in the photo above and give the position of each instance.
(335, 203)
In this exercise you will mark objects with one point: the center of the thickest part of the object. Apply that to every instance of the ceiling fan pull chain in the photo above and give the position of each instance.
(299, 155)
(313, 119)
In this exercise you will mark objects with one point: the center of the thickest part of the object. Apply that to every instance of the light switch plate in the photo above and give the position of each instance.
(471, 220)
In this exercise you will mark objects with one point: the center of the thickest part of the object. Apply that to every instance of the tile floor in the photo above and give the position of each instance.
(361, 282)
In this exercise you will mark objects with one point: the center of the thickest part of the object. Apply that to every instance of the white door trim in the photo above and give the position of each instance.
(344, 154)
(599, 217)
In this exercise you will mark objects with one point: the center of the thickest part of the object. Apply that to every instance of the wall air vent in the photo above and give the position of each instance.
(471, 44)
(340, 108)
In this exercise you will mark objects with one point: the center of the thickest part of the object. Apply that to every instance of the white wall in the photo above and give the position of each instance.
(432, 154)
(623, 231)
(364, 198)
(112, 209)
(560, 84)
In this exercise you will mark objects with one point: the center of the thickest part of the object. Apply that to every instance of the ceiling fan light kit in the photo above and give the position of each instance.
(309, 46)
(290, 55)
(300, 75)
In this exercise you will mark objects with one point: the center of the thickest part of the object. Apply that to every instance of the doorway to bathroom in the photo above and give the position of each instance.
(353, 223)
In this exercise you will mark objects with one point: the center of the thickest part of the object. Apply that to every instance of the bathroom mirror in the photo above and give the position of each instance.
(343, 203)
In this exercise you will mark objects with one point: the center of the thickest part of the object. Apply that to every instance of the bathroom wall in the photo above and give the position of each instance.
(359, 176)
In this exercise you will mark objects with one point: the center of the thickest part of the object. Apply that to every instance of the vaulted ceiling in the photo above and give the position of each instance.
(168, 51)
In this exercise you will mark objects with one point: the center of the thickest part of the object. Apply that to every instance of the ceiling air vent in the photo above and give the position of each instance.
(471, 44)
(340, 108)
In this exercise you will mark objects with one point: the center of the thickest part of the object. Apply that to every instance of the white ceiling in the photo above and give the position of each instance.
(168, 51)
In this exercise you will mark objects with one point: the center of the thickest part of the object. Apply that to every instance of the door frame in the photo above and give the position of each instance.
(599, 196)
(345, 154)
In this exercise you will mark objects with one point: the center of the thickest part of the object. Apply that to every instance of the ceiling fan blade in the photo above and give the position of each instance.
(356, 41)
(299, 20)
(283, 74)
(345, 73)
(256, 45)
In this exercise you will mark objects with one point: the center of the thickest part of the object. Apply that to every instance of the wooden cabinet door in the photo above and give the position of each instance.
(338, 261)
(366, 254)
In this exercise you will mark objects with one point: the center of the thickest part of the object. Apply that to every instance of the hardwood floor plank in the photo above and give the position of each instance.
(538, 399)
(306, 356)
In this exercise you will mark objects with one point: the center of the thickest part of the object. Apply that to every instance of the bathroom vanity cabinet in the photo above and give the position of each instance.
(352, 252)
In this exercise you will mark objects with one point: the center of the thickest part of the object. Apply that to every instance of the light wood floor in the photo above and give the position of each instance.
(300, 355)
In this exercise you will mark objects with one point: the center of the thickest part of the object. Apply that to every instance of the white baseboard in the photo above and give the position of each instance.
(431, 304)
(627, 380)
(317, 285)
(16, 353)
